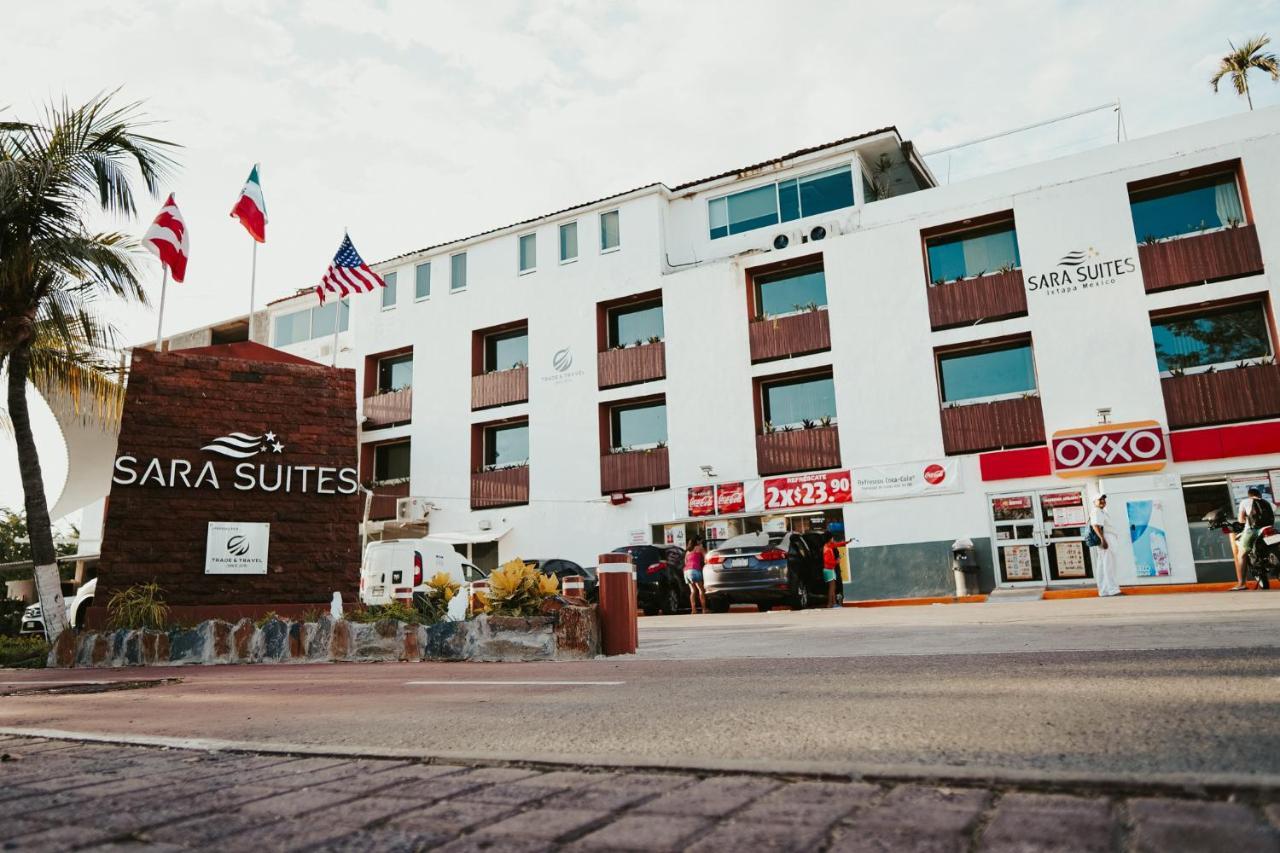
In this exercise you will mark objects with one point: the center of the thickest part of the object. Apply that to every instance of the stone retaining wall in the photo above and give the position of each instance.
(571, 633)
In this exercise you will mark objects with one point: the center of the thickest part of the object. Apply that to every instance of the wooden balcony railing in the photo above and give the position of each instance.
(1229, 253)
(1223, 396)
(796, 334)
(504, 487)
(988, 297)
(789, 451)
(635, 471)
(391, 407)
(500, 388)
(383, 506)
(631, 365)
(1018, 422)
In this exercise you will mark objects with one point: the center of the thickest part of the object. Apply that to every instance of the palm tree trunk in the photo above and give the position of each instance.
(1248, 97)
(39, 526)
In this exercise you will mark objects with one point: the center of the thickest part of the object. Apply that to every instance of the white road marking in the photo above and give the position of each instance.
(58, 683)
(463, 683)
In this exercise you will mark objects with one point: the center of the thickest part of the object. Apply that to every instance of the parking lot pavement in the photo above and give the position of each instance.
(69, 795)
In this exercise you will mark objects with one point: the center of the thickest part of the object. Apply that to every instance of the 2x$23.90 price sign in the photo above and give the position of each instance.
(805, 490)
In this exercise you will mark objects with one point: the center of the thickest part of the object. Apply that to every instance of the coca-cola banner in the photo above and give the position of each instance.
(806, 490)
(730, 497)
(1110, 449)
(702, 501)
(907, 480)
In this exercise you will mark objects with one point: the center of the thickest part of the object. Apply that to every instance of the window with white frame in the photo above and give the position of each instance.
(389, 290)
(422, 280)
(610, 236)
(458, 272)
(568, 241)
(317, 322)
(528, 252)
(784, 201)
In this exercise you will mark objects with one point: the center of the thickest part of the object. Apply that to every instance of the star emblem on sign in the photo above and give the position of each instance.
(276, 447)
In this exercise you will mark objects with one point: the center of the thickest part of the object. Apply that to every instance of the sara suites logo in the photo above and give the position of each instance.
(246, 476)
(1081, 269)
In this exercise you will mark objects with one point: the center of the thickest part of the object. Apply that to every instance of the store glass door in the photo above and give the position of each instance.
(1039, 538)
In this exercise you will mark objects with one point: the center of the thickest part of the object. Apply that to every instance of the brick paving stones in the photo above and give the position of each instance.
(139, 799)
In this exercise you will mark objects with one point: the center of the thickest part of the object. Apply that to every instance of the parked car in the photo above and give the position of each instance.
(568, 568)
(765, 569)
(660, 586)
(77, 607)
(394, 569)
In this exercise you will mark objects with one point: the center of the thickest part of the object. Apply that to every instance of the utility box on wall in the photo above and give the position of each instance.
(240, 457)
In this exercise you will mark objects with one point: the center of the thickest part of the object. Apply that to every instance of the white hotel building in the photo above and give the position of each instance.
(681, 361)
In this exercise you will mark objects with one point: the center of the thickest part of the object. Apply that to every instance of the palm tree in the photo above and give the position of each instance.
(53, 173)
(1241, 60)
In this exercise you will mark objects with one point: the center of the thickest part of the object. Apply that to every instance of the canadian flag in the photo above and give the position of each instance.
(167, 239)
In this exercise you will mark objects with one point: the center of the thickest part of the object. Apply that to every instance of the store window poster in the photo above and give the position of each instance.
(1147, 533)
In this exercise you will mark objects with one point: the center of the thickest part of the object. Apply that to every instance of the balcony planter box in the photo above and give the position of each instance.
(988, 297)
(500, 388)
(631, 365)
(1222, 396)
(1018, 422)
(504, 487)
(383, 507)
(635, 471)
(789, 451)
(392, 407)
(1229, 253)
(797, 334)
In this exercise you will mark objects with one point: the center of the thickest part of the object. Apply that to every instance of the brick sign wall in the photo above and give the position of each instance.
(285, 424)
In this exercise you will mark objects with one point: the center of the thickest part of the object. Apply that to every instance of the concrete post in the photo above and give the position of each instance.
(619, 624)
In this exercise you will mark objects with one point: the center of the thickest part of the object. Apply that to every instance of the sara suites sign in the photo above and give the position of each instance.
(1079, 270)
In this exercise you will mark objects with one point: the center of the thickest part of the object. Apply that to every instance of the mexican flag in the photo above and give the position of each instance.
(250, 209)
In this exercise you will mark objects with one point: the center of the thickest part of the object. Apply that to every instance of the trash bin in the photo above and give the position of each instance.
(964, 565)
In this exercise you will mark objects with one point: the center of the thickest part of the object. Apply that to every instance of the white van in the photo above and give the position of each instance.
(395, 569)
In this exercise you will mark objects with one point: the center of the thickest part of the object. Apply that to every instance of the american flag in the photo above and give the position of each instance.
(348, 274)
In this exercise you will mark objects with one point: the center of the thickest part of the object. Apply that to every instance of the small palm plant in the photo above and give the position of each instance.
(1239, 61)
(139, 606)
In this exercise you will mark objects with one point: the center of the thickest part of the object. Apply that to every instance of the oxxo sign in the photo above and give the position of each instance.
(1109, 449)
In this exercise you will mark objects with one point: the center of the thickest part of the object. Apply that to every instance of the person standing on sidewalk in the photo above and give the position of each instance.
(831, 561)
(693, 560)
(1104, 555)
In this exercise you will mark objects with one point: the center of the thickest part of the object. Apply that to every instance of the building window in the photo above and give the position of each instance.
(528, 252)
(638, 426)
(422, 281)
(317, 322)
(1221, 336)
(610, 236)
(389, 291)
(632, 325)
(1187, 207)
(796, 198)
(506, 446)
(391, 462)
(807, 400)
(458, 272)
(995, 372)
(568, 241)
(790, 291)
(395, 373)
(973, 253)
(506, 350)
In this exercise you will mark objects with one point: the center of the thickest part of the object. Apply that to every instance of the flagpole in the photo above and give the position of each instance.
(164, 285)
(337, 319)
(253, 281)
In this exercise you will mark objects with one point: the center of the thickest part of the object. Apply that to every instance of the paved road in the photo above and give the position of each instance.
(1187, 688)
(129, 798)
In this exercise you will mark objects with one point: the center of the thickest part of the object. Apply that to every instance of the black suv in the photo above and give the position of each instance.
(660, 586)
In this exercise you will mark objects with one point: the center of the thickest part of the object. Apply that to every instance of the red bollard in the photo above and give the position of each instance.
(619, 625)
(574, 588)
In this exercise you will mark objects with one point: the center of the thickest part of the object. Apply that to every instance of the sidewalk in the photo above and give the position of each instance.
(69, 795)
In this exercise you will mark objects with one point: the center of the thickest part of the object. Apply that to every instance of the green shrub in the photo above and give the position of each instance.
(432, 603)
(139, 606)
(11, 616)
(396, 611)
(28, 652)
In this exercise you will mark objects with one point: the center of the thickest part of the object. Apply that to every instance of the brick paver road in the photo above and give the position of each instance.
(65, 795)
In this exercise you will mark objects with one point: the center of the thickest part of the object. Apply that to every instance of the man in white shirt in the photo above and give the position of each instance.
(1104, 557)
(1244, 542)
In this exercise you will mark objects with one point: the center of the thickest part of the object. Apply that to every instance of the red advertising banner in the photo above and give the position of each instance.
(1021, 502)
(1110, 449)
(730, 497)
(804, 490)
(1061, 499)
(702, 501)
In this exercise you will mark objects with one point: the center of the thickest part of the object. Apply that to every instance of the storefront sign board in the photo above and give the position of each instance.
(236, 548)
(1070, 558)
(730, 498)
(808, 490)
(701, 501)
(1240, 485)
(1111, 449)
(907, 480)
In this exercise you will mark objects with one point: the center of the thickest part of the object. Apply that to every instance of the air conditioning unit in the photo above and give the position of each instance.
(825, 230)
(788, 239)
(412, 509)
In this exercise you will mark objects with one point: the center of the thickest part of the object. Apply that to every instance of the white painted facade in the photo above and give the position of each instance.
(1093, 349)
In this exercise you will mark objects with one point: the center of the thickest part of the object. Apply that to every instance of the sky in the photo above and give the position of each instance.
(413, 123)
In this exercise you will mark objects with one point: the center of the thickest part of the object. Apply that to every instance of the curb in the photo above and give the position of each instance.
(1179, 785)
